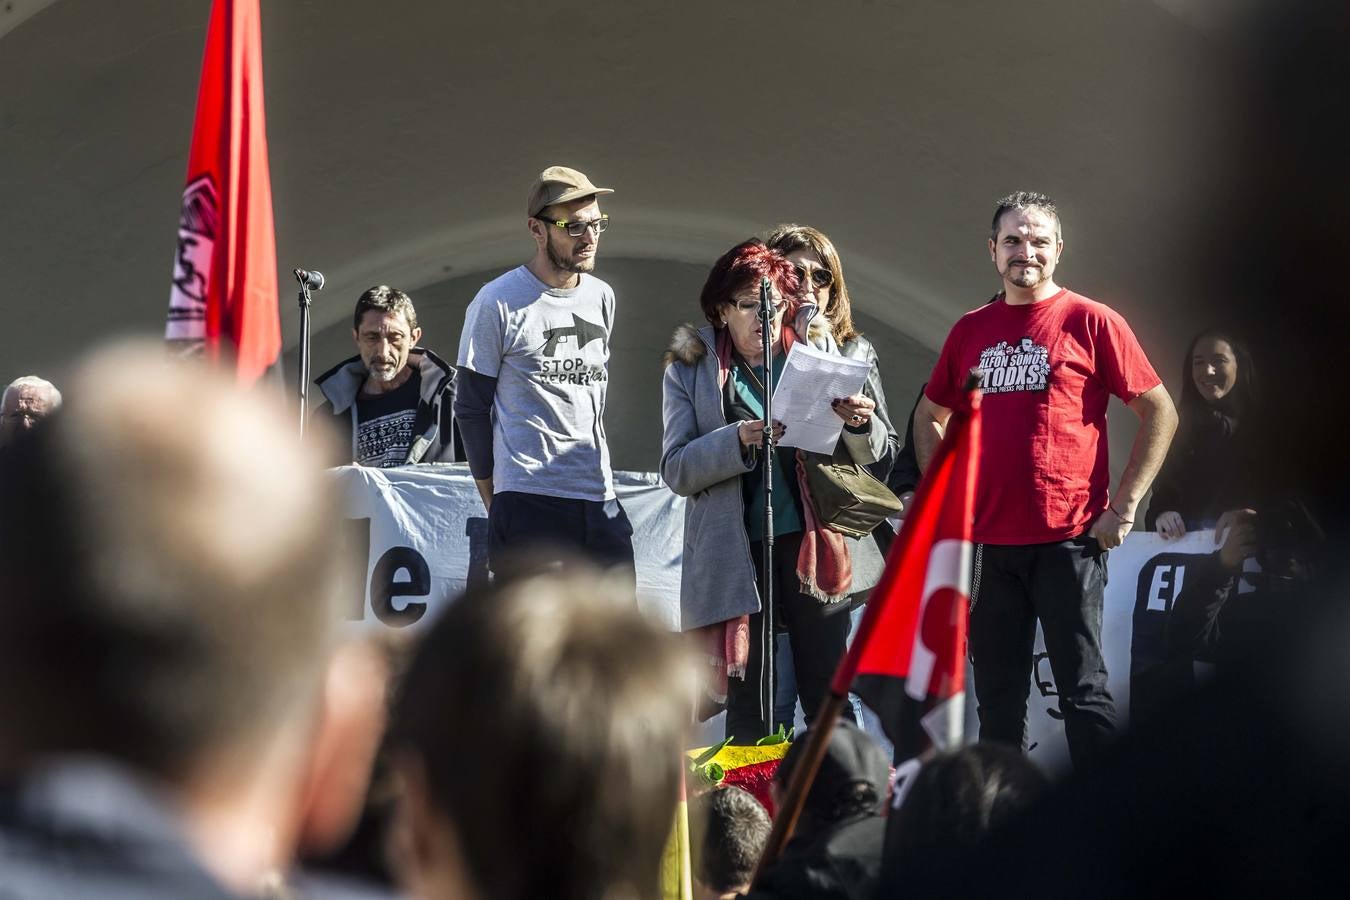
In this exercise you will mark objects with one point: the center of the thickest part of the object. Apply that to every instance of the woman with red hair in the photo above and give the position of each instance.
(713, 414)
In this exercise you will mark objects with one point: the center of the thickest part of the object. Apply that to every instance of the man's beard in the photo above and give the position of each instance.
(385, 374)
(569, 265)
(1025, 277)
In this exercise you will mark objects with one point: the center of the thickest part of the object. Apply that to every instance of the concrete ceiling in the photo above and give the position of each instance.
(403, 135)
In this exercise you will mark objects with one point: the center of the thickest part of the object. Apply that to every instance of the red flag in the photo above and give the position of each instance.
(224, 297)
(909, 653)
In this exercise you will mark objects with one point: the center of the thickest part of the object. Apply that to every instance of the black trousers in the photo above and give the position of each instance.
(1062, 584)
(817, 632)
(539, 529)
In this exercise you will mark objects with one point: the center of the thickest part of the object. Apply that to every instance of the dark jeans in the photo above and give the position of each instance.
(816, 631)
(539, 528)
(1062, 584)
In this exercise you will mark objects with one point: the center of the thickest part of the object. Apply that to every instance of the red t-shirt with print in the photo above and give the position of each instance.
(1050, 368)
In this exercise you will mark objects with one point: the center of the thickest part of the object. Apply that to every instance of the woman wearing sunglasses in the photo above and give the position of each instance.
(818, 269)
(713, 411)
(821, 276)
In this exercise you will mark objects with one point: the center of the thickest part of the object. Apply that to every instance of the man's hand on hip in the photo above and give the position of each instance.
(1110, 529)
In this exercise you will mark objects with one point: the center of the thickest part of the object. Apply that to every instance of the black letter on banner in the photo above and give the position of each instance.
(355, 538)
(383, 588)
(476, 529)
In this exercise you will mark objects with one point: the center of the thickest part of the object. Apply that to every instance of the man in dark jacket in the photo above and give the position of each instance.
(393, 399)
(835, 851)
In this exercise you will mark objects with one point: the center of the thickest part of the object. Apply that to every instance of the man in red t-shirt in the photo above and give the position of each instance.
(1044, 514)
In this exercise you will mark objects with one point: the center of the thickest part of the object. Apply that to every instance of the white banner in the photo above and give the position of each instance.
(417, 535)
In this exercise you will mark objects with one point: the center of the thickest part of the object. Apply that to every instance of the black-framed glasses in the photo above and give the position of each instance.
(819, 278)
(577, 229)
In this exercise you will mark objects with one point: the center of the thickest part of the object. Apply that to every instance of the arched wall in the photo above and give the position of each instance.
(881, 290)
(403, 135)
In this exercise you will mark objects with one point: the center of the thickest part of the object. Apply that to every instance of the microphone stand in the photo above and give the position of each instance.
(769, 636)
(304, 299)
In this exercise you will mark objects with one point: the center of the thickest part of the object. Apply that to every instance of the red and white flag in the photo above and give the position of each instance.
(223, 302)
(907, 661)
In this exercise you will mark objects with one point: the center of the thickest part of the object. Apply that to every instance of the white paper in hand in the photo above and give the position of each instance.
(801, 399)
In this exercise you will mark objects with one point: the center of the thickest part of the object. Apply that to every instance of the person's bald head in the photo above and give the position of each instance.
(167, 567)
(26, 402)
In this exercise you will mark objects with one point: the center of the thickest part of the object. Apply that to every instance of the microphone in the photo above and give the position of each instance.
(309, 280)
(765, 291)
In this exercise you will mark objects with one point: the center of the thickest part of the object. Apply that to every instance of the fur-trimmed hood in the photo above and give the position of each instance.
(689, 344)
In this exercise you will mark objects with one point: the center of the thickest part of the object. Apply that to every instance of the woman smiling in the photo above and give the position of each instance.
(1209, 467)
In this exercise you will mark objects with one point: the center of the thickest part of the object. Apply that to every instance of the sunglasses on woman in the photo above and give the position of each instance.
(819, 278)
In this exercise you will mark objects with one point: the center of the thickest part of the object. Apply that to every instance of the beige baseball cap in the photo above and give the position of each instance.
(559, 184)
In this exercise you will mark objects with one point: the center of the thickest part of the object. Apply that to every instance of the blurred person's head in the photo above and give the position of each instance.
(540, 732)
(956, 799)
(1217, 371)
(730, 297)
(170, 607)
(385, 329)
(728, 829)
(851, 782)
(818, 268)
(26, 402)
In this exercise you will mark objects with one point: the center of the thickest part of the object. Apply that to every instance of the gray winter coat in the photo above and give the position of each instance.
(701, 460)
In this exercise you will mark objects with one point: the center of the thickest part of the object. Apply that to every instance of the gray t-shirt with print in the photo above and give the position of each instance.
(548, 348)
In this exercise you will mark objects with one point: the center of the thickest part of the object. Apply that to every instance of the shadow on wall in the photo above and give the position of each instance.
(653, 297)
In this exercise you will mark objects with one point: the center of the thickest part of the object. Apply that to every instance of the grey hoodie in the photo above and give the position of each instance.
(434, 432)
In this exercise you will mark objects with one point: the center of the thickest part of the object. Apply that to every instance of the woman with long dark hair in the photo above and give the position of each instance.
(1208, 468)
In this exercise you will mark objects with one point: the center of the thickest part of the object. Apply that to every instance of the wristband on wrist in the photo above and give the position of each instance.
(1123, 520)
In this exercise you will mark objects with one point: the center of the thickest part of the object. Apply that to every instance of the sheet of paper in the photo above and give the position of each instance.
(801, 399)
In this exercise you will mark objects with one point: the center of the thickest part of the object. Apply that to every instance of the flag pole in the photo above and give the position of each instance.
(818, 735)
(786, 816)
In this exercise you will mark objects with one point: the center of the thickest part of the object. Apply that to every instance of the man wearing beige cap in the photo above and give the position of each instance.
(533, 375)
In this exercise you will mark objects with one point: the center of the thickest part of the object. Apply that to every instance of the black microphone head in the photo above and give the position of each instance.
(764, 284)
(310, 279)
